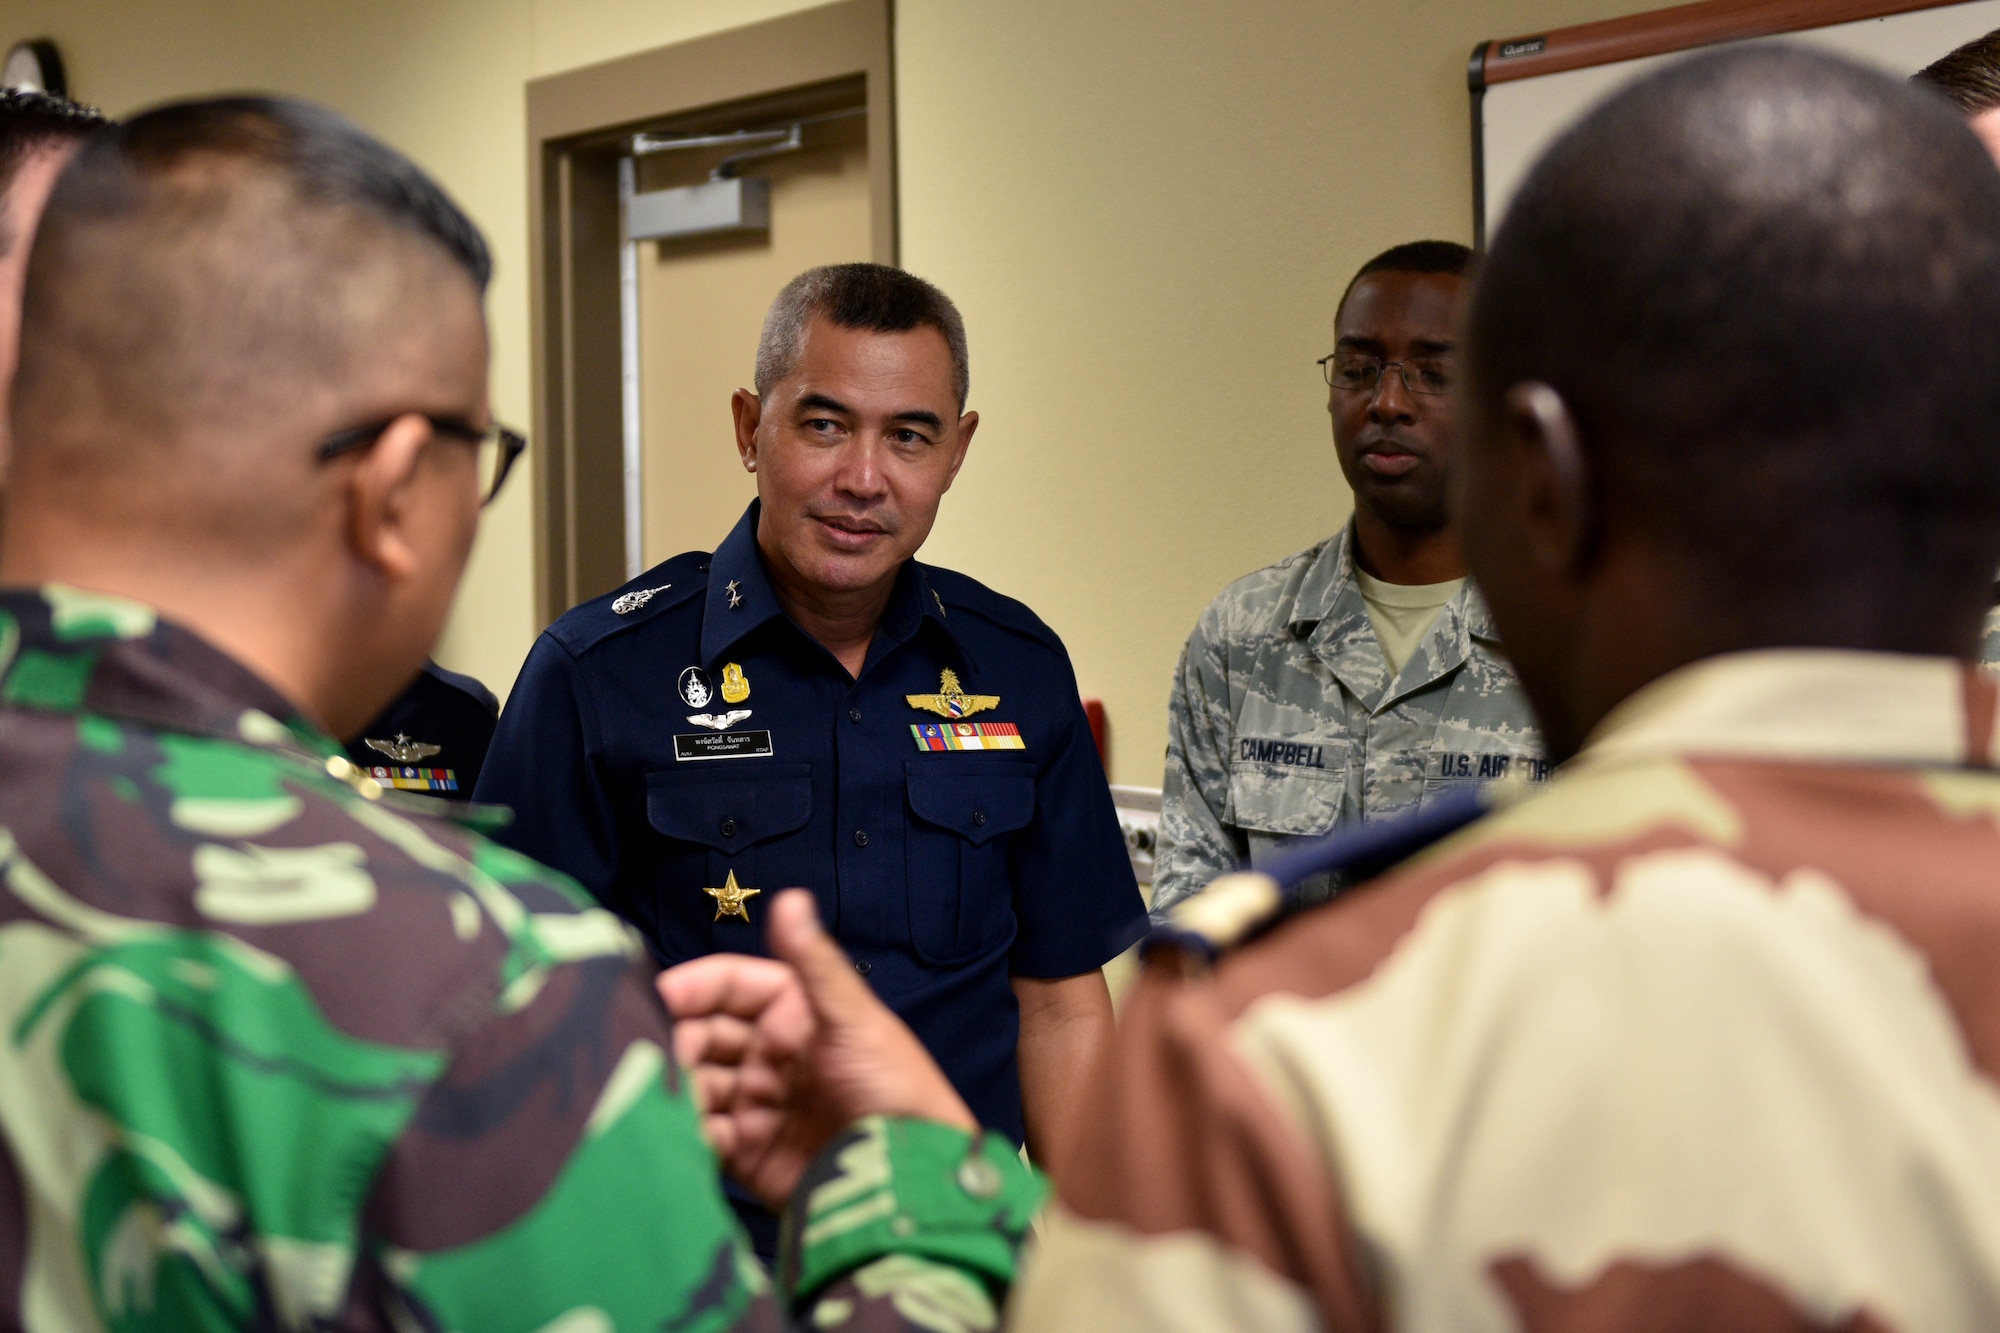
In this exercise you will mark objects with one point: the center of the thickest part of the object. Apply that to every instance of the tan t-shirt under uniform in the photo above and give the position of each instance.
(1402, 613)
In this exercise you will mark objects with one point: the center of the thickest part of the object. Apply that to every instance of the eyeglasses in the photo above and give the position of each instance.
(1358, 373)
(498, 446)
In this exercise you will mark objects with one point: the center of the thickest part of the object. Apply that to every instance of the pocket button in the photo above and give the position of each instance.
(979, 1178)
(728, 828)
(979, 818)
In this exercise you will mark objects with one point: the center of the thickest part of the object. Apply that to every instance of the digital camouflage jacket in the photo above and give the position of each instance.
(281, 1050)
(1285, 720)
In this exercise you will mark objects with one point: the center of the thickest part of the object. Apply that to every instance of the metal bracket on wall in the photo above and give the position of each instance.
(789, 138)
(729, 201)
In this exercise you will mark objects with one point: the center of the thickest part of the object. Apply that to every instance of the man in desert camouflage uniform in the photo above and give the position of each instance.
(279, 1048)
(1362, 678)
(1705, 1034)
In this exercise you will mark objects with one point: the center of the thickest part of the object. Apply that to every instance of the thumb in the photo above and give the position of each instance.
(797, 939)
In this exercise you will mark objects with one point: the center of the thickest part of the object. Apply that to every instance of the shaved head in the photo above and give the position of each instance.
(216, 286)
(1733, 382)
(1767, 283)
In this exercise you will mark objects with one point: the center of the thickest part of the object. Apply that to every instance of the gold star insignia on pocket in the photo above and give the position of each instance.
(731, 897)
(951, 700)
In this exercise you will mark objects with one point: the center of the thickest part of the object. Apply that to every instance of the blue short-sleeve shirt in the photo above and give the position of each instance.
(682, 735)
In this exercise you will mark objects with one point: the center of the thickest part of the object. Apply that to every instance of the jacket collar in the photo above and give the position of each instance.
(65, 650)
(1330, 616)
(1807, 705)
(741, 598)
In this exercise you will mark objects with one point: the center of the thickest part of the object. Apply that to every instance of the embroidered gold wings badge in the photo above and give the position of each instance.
(951, 700)
(404, 750)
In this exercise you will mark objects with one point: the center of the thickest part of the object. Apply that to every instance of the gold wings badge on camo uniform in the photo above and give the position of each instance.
(951, 700)
(404, 750)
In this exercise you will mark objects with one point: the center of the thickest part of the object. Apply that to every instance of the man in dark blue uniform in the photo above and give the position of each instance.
(433, 738)
(810, 706)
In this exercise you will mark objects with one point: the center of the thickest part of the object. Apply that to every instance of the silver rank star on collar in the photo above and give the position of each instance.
(735, 597)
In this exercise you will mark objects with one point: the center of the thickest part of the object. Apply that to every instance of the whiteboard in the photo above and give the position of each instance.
(1518, 119)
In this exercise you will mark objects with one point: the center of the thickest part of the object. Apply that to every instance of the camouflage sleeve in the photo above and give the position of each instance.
(1989, 640)
(1195, 844)
(905, 1224)
(555, 1178)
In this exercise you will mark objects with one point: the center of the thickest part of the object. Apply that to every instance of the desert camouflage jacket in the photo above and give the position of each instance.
(281, 1050)
(1285, 721)
(1703, 1034)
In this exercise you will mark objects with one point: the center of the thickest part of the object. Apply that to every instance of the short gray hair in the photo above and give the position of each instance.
(873, 297)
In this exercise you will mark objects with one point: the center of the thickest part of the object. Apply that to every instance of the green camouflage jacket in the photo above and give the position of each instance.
(281, 1050)
(1285, 721)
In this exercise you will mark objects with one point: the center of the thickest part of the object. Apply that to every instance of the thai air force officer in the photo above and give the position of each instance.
(810, 706)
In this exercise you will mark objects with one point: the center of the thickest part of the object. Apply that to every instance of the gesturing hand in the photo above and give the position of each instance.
(785, 1052)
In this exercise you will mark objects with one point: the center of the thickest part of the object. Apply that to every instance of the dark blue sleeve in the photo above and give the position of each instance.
(543, 764)
(1074, 896)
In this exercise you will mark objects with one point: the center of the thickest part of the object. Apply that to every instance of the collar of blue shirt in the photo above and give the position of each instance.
(737, 568)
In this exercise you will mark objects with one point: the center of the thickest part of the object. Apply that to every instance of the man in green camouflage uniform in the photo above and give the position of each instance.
(1355, 680)
(279, 1048)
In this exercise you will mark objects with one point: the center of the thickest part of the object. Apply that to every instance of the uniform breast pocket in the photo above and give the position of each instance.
(961, 894)
(715, 827)
(1288, 786)
(1482, 760)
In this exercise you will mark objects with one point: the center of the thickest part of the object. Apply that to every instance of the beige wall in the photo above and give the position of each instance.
(1145, 210)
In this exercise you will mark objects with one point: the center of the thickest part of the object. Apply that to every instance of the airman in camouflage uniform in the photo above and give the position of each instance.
(1289, 713)
(1285, 720)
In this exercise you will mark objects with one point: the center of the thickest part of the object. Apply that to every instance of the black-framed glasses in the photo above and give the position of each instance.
(498, 446)
(1357, 372)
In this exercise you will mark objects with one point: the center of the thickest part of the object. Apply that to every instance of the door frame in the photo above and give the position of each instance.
(576, 122)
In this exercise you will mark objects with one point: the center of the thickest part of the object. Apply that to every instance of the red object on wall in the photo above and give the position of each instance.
(1094, 710)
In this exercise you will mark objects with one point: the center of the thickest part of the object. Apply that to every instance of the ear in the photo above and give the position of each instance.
(967, 424)
(381, 499)
(1562, 524)
(748, 410)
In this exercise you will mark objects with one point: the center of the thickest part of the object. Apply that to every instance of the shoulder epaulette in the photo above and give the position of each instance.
(471, 686)
(959, 592)
(667, 584)
(1238, 907)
